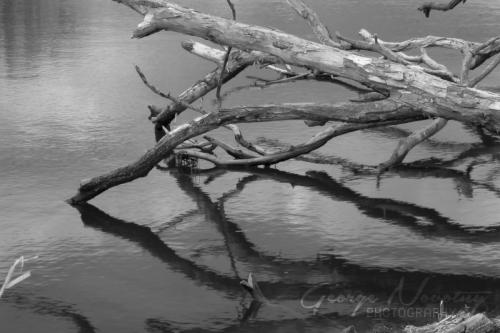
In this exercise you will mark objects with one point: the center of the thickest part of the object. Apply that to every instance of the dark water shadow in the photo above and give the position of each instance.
(340, 275)
(312, 324)
(425, 221)
(458, 169)
(337, 275)
(148, 240)
(48, 307)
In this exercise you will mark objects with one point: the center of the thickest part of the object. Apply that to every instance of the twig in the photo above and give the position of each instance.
(264, 83)
(319, 29)
(491, 66)
(435, 68)
(314, 143)
(486, 45)
(405, 145)
(234, 152)
(9, 282)
(373, 46)
(226, 58)
(166, 95)
(238, 136)
(419, 42)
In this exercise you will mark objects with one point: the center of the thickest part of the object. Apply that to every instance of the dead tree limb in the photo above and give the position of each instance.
(428, 6)
(203, 51)
(226, 58)
(95, 186)
(486, 71)
(408, 143)
(433, 67)
(438, 97)
(314, 143)
(236, 65)
(461, 322)
(405, 145)
(320, 30)
(235, 152)
(238, 136)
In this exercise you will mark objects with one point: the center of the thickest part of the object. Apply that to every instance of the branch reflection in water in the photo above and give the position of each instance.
(336, 275)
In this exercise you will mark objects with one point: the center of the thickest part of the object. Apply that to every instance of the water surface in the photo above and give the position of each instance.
(166, 252)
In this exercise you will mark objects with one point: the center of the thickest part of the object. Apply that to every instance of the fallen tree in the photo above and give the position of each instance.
(394, 89)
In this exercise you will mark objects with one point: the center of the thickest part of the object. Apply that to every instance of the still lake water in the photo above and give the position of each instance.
(166, 252)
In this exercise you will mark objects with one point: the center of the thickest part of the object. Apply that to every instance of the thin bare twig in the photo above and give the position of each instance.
(491, 66)
(314, 143)
(373, 46)
(165, 95)
(320, 30)
(226, 58)
(406, 144)
(373, 43)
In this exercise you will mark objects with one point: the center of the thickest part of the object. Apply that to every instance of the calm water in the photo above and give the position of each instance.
(166, 253)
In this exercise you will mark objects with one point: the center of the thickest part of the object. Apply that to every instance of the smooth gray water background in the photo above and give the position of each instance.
(72, 107)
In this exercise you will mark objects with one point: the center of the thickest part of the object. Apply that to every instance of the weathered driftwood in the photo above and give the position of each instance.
(459, 323)
(434, 95)
(397, 88)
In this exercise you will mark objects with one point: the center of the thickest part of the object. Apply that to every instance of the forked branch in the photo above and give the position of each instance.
(428, 6)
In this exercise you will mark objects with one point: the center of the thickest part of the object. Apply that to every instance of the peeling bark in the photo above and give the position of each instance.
(436, 96)
(462, 322)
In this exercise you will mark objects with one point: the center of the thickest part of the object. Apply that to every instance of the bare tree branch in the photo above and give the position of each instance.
(315, 142)
(226, 57)
(489, 68)
(408, 143)
(319, 29)
(428, 6)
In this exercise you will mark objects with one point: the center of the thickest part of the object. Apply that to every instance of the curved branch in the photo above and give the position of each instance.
(408, 143)
(238, 136)
(314, 143)
(238, 62)
(91, 188)
(226, 59)
(428, 6)
(434, 67)
(234, 152)
(319, 29)
(491, 66)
